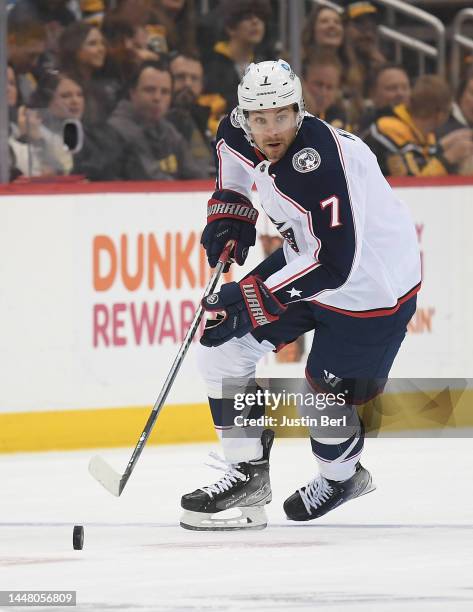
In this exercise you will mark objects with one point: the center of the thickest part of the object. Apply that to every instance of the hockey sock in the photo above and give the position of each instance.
(337, 458)
(239, 443)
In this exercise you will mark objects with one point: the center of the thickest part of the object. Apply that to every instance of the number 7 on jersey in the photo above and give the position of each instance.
(334, 202)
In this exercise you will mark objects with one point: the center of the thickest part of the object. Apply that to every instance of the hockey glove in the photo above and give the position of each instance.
(230, 216)
(240, 307)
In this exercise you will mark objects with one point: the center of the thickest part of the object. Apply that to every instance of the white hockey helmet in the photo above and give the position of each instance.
(267, 85)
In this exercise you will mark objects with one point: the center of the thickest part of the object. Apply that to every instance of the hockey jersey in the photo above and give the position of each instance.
(349, 243)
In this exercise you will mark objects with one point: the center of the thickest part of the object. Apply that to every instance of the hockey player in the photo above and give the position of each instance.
(349, 268)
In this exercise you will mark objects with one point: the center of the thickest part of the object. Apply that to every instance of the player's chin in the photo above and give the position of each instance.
(275, 151)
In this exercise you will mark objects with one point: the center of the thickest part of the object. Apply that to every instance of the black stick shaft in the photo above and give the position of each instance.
(212, 284)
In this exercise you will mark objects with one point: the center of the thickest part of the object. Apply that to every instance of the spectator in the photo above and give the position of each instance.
(192, 118)
(54, 15)
(156, 148)
(213, 103)
(461, 117)
(323, 30)
(244, 23)
(36, 150)
(82, 56)
(362, 48)
(405, 143)
(321, 78)
(462, 110)
(179, 21)
(60, 98)
(26, 45)
(126, 49)
(18, 152)
(12, 89)
(390, 86)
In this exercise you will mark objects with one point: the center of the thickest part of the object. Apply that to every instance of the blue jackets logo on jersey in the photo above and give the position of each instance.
(306, 160)
(234, 118)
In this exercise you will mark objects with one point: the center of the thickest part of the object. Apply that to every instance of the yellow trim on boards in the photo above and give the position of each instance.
(103, 427)
(186, 423)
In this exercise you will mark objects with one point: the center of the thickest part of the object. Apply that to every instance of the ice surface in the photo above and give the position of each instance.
(406, 546)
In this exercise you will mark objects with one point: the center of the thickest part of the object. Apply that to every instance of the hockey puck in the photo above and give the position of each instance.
(78, 537)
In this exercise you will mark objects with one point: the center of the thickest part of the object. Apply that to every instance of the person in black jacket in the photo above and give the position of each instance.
(191, 113)
(156, 149)
(244, 25)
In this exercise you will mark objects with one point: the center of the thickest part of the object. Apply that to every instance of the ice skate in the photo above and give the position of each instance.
(322, 495)
(243, 491)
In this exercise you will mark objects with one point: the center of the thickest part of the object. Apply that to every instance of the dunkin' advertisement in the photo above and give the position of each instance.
(98, 291)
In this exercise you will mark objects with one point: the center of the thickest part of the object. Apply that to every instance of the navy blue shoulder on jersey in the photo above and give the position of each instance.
(324, 193)
(311, 176)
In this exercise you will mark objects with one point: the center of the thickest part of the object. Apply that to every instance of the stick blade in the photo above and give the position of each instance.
(106, 475)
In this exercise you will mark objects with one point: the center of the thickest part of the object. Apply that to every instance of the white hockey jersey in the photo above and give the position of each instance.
(349, 243)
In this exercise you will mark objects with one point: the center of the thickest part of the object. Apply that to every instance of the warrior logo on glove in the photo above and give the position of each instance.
(240, 308)
(230, 216)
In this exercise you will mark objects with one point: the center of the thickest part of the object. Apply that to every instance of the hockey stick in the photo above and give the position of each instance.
(98, 467)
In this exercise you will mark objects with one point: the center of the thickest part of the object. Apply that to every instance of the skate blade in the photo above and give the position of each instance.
(249, 518)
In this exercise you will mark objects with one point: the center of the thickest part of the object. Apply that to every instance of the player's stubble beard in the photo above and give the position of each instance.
(274, 154)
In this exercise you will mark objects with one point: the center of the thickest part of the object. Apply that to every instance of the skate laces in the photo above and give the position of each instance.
(226, 482)
(317, 491)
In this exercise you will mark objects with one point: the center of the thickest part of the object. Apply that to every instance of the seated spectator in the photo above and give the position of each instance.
(138, 14)
(191, 75)
(82, 54)
(191, 113)
(26, 45)
(179, 22)
(244, 22)
(321, 80)
(126, 50)
(54, 15)
(461, 117)
(58, 98)
(404, 141)
(462, 110)
(12, 92)
(36, 150)
(127, 43)
(157, 151)
(323, 30)
(102, 155)
(389, 87)
(362, 49)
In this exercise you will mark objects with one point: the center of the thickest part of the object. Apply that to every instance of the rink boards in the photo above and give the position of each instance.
(98, 290)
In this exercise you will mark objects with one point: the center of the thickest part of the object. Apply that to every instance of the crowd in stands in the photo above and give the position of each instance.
(149, 80)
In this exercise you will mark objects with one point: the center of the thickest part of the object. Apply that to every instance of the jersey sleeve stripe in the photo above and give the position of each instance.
(219, 155)
(240, 156)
